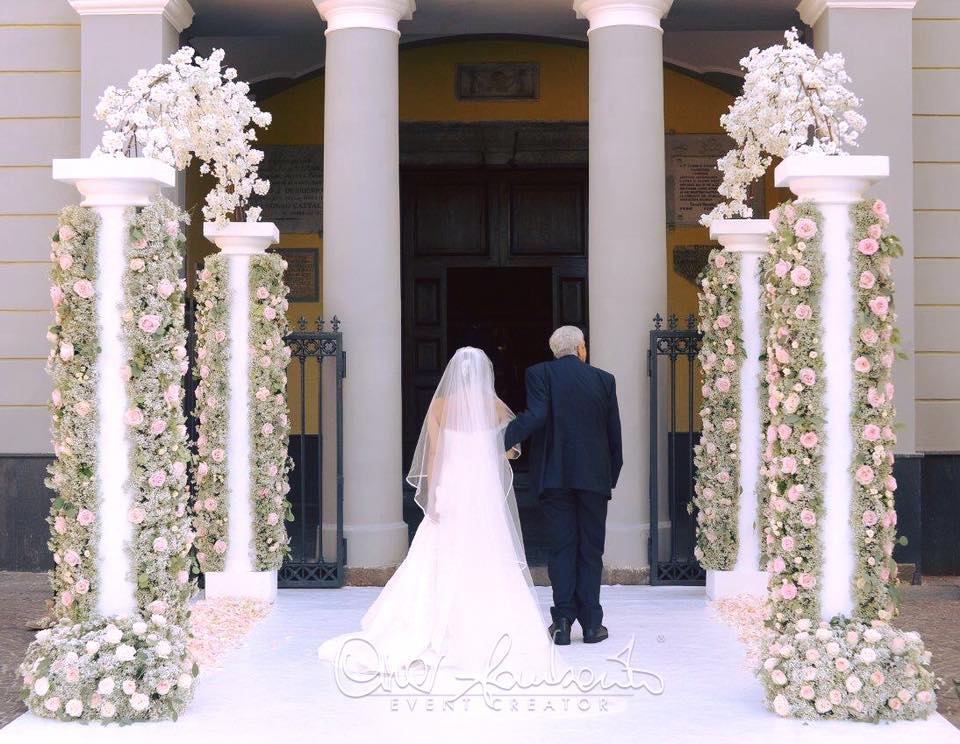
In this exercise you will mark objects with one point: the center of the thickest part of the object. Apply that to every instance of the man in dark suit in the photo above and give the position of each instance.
(576, 455)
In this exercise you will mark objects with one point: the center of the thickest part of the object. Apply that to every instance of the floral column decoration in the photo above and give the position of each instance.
(120, 528)
(242, 459)
(830, 518)
(728, 456)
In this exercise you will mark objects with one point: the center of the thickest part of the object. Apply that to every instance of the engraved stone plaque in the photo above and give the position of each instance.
(302, 274)
(503, 81)
(295, 199)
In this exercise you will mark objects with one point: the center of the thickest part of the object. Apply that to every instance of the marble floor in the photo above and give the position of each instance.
(694, 687)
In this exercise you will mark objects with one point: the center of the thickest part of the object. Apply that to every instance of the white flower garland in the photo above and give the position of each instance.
(792, 103)
(270, 427)
(186, 107)
(134, 668)
(716, 457)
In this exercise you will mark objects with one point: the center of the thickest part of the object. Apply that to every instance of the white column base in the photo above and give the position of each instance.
(729, 584)
(249, 584)
(376, 545)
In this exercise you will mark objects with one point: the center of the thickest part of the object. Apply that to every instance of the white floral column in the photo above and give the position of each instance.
(238, 242)
(748, 240)
(833, 184)
(110, 186)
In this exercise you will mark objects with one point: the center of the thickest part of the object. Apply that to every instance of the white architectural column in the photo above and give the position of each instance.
(109, 186)
(627, 238)
(867, 33)
(238, 241)
(747, 239)
(833, 184)
(361, 264)
(117, 38)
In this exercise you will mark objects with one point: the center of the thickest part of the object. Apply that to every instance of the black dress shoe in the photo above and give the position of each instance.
(560, 632)
(595, 635)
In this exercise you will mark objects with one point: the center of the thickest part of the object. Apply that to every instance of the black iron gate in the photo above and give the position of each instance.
(318, 550)
(673, 370)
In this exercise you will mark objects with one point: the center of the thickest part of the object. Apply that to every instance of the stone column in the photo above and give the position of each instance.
(876, 40)
(361, 263)
(627, 238)
(117, 38)
(747, 239)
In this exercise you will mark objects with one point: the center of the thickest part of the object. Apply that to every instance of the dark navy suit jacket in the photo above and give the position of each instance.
(573, 420)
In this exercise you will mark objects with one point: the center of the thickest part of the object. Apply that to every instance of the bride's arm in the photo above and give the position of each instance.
(504, 417)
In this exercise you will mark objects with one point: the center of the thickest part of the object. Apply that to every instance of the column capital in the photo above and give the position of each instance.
(603, 13)
(811, 10)
(177, 12)
(382, 14)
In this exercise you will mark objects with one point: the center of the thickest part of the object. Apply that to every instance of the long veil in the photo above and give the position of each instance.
(466, 403)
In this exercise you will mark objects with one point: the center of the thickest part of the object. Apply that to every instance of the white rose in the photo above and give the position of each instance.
(868, 656)
(129, 686)
(163, 649)
(41, 686)
(140, 627)
(106, 686)
(74, 708)
(139, 701)
(108, 710)
(125, 652)
(872, 635)
(113, 634)
(185, 681)
(92, 647)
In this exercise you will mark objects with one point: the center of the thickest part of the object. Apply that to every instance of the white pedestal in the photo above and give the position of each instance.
(728, 584)
(250, 584)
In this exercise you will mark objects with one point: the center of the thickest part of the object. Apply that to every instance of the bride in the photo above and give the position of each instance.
(463, 598)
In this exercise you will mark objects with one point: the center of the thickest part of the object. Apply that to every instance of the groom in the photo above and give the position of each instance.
(575, 460)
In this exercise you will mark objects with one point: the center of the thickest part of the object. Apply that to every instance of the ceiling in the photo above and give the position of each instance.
(272, 41)
(457, 17)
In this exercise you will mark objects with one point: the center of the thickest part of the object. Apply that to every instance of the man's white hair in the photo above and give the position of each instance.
(565, 341)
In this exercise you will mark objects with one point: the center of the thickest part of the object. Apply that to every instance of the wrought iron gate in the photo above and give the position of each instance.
(318, 550)
(673, 368)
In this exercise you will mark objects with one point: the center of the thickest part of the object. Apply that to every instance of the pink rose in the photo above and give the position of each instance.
(66, 599)
(60, 526)
(877, 678)
(218, 455)
(136, 515)
(269, 313)
(809, 439)
(869, 336)
(871, 432)
(788, 543)
(782, 268)
(272, 518)
(782, 355)
(172, 228)
(778, 565)
(790, 213)
(182, 577)
(800, 276)
(163, 687)
(870, 518)
(808, 518)
(771, 434)
(805, 228)
(864, 475)
(160, 545)
(806, 580)
(879, 306)
(891, 485)
(85, 517)
(793, 494)
(66, 261)
(265, 361)
(879, 208)
(133, 417)
(807, 693)
(83, 288)
(888, 390)
(210, 504)
(158, 426)
(56, 295)
(82, 586)
(875, 231)
(784, 431)
(66, 351)
(788, 590)
(789, 465)
(868, 246)
(71, 558)
(807, 376)
(867, 280)
(149, 323)
(165, 288)
(220, 546)
(219, 336)
(66, 233)
(724, 321)
(267, 429)
(262, 293)
(861, 364)
(803, 312)
(895, 703)
(157, 479)
(875, 397)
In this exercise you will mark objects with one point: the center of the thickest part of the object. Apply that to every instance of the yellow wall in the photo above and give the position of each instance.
(427, 80)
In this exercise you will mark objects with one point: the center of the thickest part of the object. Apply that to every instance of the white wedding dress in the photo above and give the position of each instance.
(462, 600)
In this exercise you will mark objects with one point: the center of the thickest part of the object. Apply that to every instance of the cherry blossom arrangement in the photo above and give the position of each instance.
(270, 428)
(88, 667)
(191, 107)
(858, 668)
(793, 102)
(716, 456)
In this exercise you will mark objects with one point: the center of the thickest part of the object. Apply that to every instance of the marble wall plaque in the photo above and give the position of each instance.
(503, 81)
(302, 274)
(295, 199)
(693, 177)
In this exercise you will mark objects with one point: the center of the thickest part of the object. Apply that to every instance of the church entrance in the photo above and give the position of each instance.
(494, 259)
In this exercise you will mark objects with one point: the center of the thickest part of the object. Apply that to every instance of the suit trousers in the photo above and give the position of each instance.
(576, 527)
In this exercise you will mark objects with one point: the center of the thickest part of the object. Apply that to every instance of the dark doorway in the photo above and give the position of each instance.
(494, 259)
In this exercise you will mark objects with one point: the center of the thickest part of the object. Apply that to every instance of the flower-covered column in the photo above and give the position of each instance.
(746, 242)
(830, 521)
(240, 542)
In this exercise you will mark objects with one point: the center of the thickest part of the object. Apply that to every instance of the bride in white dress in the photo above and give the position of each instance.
(462, 599)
